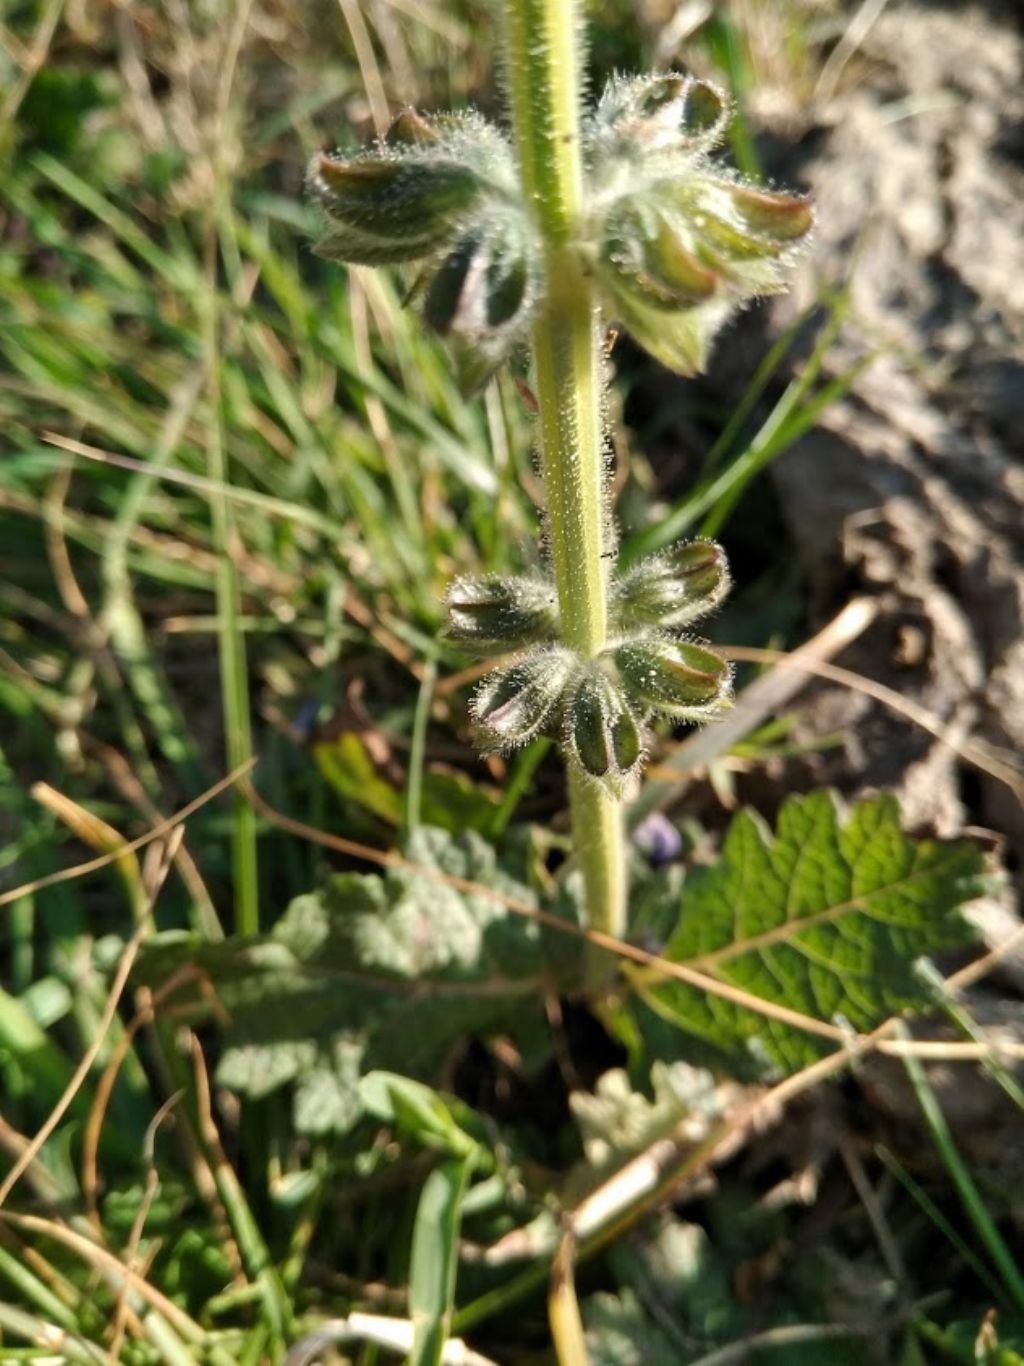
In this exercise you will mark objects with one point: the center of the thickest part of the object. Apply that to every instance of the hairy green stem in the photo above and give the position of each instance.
(542, 39)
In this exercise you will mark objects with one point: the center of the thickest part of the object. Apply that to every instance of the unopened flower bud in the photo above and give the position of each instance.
(660, 112)
(601, 732)
(642, 257)
(718, 219)
(516, 702)
(392, 208)
(678, 244)
(409, 128)
(674, 588)
(678, 678)
(772, 214)
(483, 294)
(499, 612)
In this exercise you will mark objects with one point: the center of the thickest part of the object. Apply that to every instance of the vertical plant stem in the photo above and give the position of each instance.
(543, 45)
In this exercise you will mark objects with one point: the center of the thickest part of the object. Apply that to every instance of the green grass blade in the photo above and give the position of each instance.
(726, 41)
(34, 1291)
(974, 1205)
(417, 751)
(120, 615)
(520, 775)
(178, 272)
(435, 1242)
(231, 641)
(776, 354)
(776, 437)
(932, 1212)
(31, 1329)
(716, 494)
(962, 1018)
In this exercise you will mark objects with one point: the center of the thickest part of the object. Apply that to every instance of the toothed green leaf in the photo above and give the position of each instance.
(826, 916)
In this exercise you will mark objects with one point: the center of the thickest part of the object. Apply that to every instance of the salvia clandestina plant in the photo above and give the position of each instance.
(534, 240)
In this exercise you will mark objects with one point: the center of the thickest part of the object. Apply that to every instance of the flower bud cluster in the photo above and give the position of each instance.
(678, 243)
(596, 707)
(441, 191)
(675, 242)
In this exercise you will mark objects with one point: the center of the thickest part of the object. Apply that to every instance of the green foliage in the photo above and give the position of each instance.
(825, 916)
(974, 1343)
(620, 1333)
(416, 1111)
(411, 1108)
(451, 801)
(678, 1269)
(370, 973)
(57, 104)
(156, 300)
(435, 1251)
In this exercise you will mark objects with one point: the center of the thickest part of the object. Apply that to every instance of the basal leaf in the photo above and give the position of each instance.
(826, 916)
(615, 1121)
(621, 1333)
(372, 972)
(678, 1268)
(325, 1094)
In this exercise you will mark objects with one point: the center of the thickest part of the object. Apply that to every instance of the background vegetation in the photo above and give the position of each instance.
(235, 482)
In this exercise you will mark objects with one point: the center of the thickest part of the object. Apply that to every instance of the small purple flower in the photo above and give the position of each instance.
(304, 722)
(658, 839)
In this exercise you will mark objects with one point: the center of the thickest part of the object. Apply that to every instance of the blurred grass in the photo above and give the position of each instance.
(147, 313)
(279, 477)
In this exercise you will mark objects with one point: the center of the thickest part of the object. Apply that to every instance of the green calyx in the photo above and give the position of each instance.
(482, 294)
(442, 191)
(645, 259)
(668, 112)
(596, 708)
(675, 243)
(416, 201)
(680, 679)
(673, 589)
(499, 613)
(514, 704)
(601, 730)
(678, 243)
(495, 613)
